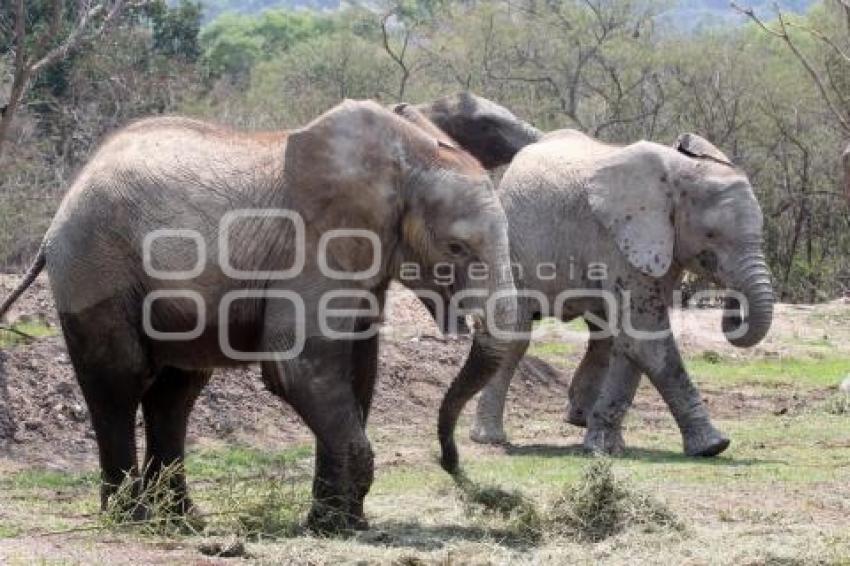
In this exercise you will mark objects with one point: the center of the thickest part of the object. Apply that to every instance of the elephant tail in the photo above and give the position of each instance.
(32, 273)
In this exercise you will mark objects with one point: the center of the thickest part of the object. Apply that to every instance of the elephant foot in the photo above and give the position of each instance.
(708, 443)
(327, 520)
(576, 415)
(359, 524)
(331, 520)
(604, 441)
(357, 519)
(483, 433)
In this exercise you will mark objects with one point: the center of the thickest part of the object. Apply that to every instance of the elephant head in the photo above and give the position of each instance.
(432, 206)
(694, 210)
(488, 131)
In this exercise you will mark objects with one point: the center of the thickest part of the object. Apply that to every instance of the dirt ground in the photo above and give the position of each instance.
(44, 423)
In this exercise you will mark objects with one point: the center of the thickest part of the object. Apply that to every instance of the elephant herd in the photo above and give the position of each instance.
(183, 246)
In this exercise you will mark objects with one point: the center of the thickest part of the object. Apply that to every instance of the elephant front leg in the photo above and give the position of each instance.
(616, 393)
(659, 358)
(699, 435)
(318, 385)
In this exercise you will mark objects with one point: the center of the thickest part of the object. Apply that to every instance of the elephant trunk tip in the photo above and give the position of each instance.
(746, 326)
(449, 458)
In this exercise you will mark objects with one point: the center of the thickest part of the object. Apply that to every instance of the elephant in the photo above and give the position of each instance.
(604, 232)
(488, 131)
(183, 246)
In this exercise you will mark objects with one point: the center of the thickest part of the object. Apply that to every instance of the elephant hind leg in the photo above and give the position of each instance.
(166, 406)
(112, 367)
(488, 427)
(605, 421)
(587, 379)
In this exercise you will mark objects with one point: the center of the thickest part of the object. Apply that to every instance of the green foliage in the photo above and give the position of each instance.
(234, 43)
(175, 30)
(613, 68)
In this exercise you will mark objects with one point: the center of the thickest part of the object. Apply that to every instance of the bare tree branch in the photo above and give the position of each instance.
(398, 58)
(821, 37)
(782, 33)
(78, 33)
(27, 68)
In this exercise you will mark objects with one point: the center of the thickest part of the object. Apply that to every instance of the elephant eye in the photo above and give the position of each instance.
(457, 249)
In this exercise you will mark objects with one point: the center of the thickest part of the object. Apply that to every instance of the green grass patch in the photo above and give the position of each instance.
(9, 530)
(552, 352)
(48, 479)
(33, 328)
(796, 372)
(575, 325)
(215, 463)
(805, 448)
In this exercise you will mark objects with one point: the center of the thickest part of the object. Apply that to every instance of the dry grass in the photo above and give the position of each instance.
(601, 505)
(523, 520)
(266, 507)
(595, 507)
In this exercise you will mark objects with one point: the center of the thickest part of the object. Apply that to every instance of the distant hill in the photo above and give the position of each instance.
(689, 13)
(213, 8)
(692, 14)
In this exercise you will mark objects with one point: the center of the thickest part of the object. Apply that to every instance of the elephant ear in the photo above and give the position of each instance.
(341, 172)
(628, 195)
(414, 116)
(700, 148)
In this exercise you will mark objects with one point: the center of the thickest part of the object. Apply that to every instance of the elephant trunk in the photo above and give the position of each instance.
(483, 361)
(492, 339)
(501, 310)
(749, 322)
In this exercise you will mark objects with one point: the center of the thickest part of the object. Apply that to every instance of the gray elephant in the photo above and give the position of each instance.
(183, 246)
(605, 232)
(488, 131)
